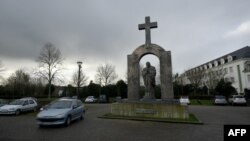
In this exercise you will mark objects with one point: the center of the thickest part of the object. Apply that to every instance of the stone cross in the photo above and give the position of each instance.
(147, 25)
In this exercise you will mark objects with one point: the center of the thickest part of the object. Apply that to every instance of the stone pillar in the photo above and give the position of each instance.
(167, 91)
(133, 78)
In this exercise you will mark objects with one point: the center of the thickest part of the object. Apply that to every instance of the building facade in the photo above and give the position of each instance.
(233, 67)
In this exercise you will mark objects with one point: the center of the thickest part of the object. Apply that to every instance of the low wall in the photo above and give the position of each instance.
(150, 110)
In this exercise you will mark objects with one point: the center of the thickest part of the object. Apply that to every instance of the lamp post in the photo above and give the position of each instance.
(79, 76)
(100, 80)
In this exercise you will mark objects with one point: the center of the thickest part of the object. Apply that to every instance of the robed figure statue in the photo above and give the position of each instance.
(148, 74)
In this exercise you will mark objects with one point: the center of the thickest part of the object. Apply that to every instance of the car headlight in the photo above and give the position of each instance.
(12, 109)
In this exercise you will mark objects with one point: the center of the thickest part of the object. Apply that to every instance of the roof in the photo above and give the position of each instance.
(238, 54)
(241, 53)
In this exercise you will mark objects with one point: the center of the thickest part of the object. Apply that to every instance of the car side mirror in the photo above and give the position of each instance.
(74, 106)
(43, 108)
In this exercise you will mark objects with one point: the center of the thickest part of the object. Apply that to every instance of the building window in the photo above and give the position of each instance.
(232, 80)
(229, 79)
(225, 70)
(205, 66)
(222, 61)
(210, 65)
(230, 58)
(231, 69)
(215, 63)
(247, 66)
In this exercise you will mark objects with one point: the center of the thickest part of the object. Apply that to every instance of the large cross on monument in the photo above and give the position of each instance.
(147, 26)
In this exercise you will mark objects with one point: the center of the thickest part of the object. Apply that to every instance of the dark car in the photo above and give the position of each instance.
(103, 99)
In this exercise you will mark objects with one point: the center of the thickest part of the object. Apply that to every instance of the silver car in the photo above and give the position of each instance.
(61, 111)
(237, 100)
(90, 99)
(220, 100)
(184, 100)
(18, 106)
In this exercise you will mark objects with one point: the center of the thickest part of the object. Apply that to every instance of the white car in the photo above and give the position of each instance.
(220, 100)
(237, 100)
(18, 106)
(90, 99)
(184, 100)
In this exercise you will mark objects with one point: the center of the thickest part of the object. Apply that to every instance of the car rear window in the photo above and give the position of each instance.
(238, 96)
(220, 97)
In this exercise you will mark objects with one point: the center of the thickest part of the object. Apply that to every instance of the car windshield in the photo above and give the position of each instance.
(60, 104)
(90, 97)
(238, 96)
(17, 102)
(220, 97)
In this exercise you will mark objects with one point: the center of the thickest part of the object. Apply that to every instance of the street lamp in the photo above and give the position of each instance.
(79, 76)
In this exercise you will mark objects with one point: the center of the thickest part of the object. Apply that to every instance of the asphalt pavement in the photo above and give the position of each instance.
(92, 128)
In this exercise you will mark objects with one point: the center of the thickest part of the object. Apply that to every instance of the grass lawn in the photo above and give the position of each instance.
(201, 102)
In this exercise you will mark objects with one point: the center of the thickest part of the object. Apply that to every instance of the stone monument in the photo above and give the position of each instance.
(148, 75)
(165, 65)
(148, 106)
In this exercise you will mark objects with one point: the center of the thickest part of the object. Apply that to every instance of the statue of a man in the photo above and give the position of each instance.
(148, 74)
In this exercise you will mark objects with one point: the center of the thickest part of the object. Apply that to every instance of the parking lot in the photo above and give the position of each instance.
(92, 128)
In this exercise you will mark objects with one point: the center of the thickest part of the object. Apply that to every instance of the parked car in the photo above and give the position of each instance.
(3, 102)
(90, 99)
(220, 100)
(75, 97)
(184, 100)
(61, 111)
(30, 98)
(18, 106)
(103, 99)
(118, 99)
(237, 100)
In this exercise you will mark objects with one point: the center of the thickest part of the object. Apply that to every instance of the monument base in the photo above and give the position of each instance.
(150, 109)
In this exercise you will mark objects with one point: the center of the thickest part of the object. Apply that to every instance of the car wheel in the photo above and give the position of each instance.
(40, 126)
(82, 116)
(34, 110)
(18, 112)
(233, 104)
(68, 121)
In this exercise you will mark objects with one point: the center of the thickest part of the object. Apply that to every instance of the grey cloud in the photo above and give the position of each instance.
(99, 31)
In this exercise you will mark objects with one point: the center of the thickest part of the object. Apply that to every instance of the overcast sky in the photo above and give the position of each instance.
(106, 31)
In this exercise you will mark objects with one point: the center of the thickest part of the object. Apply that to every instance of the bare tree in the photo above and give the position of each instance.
(213, 76)
(1, 69)
(50, 62)
(19, 82)
(106, 74)
(195, 77)
(82, 80)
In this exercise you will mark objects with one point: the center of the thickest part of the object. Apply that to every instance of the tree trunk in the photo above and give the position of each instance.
(49, 89)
